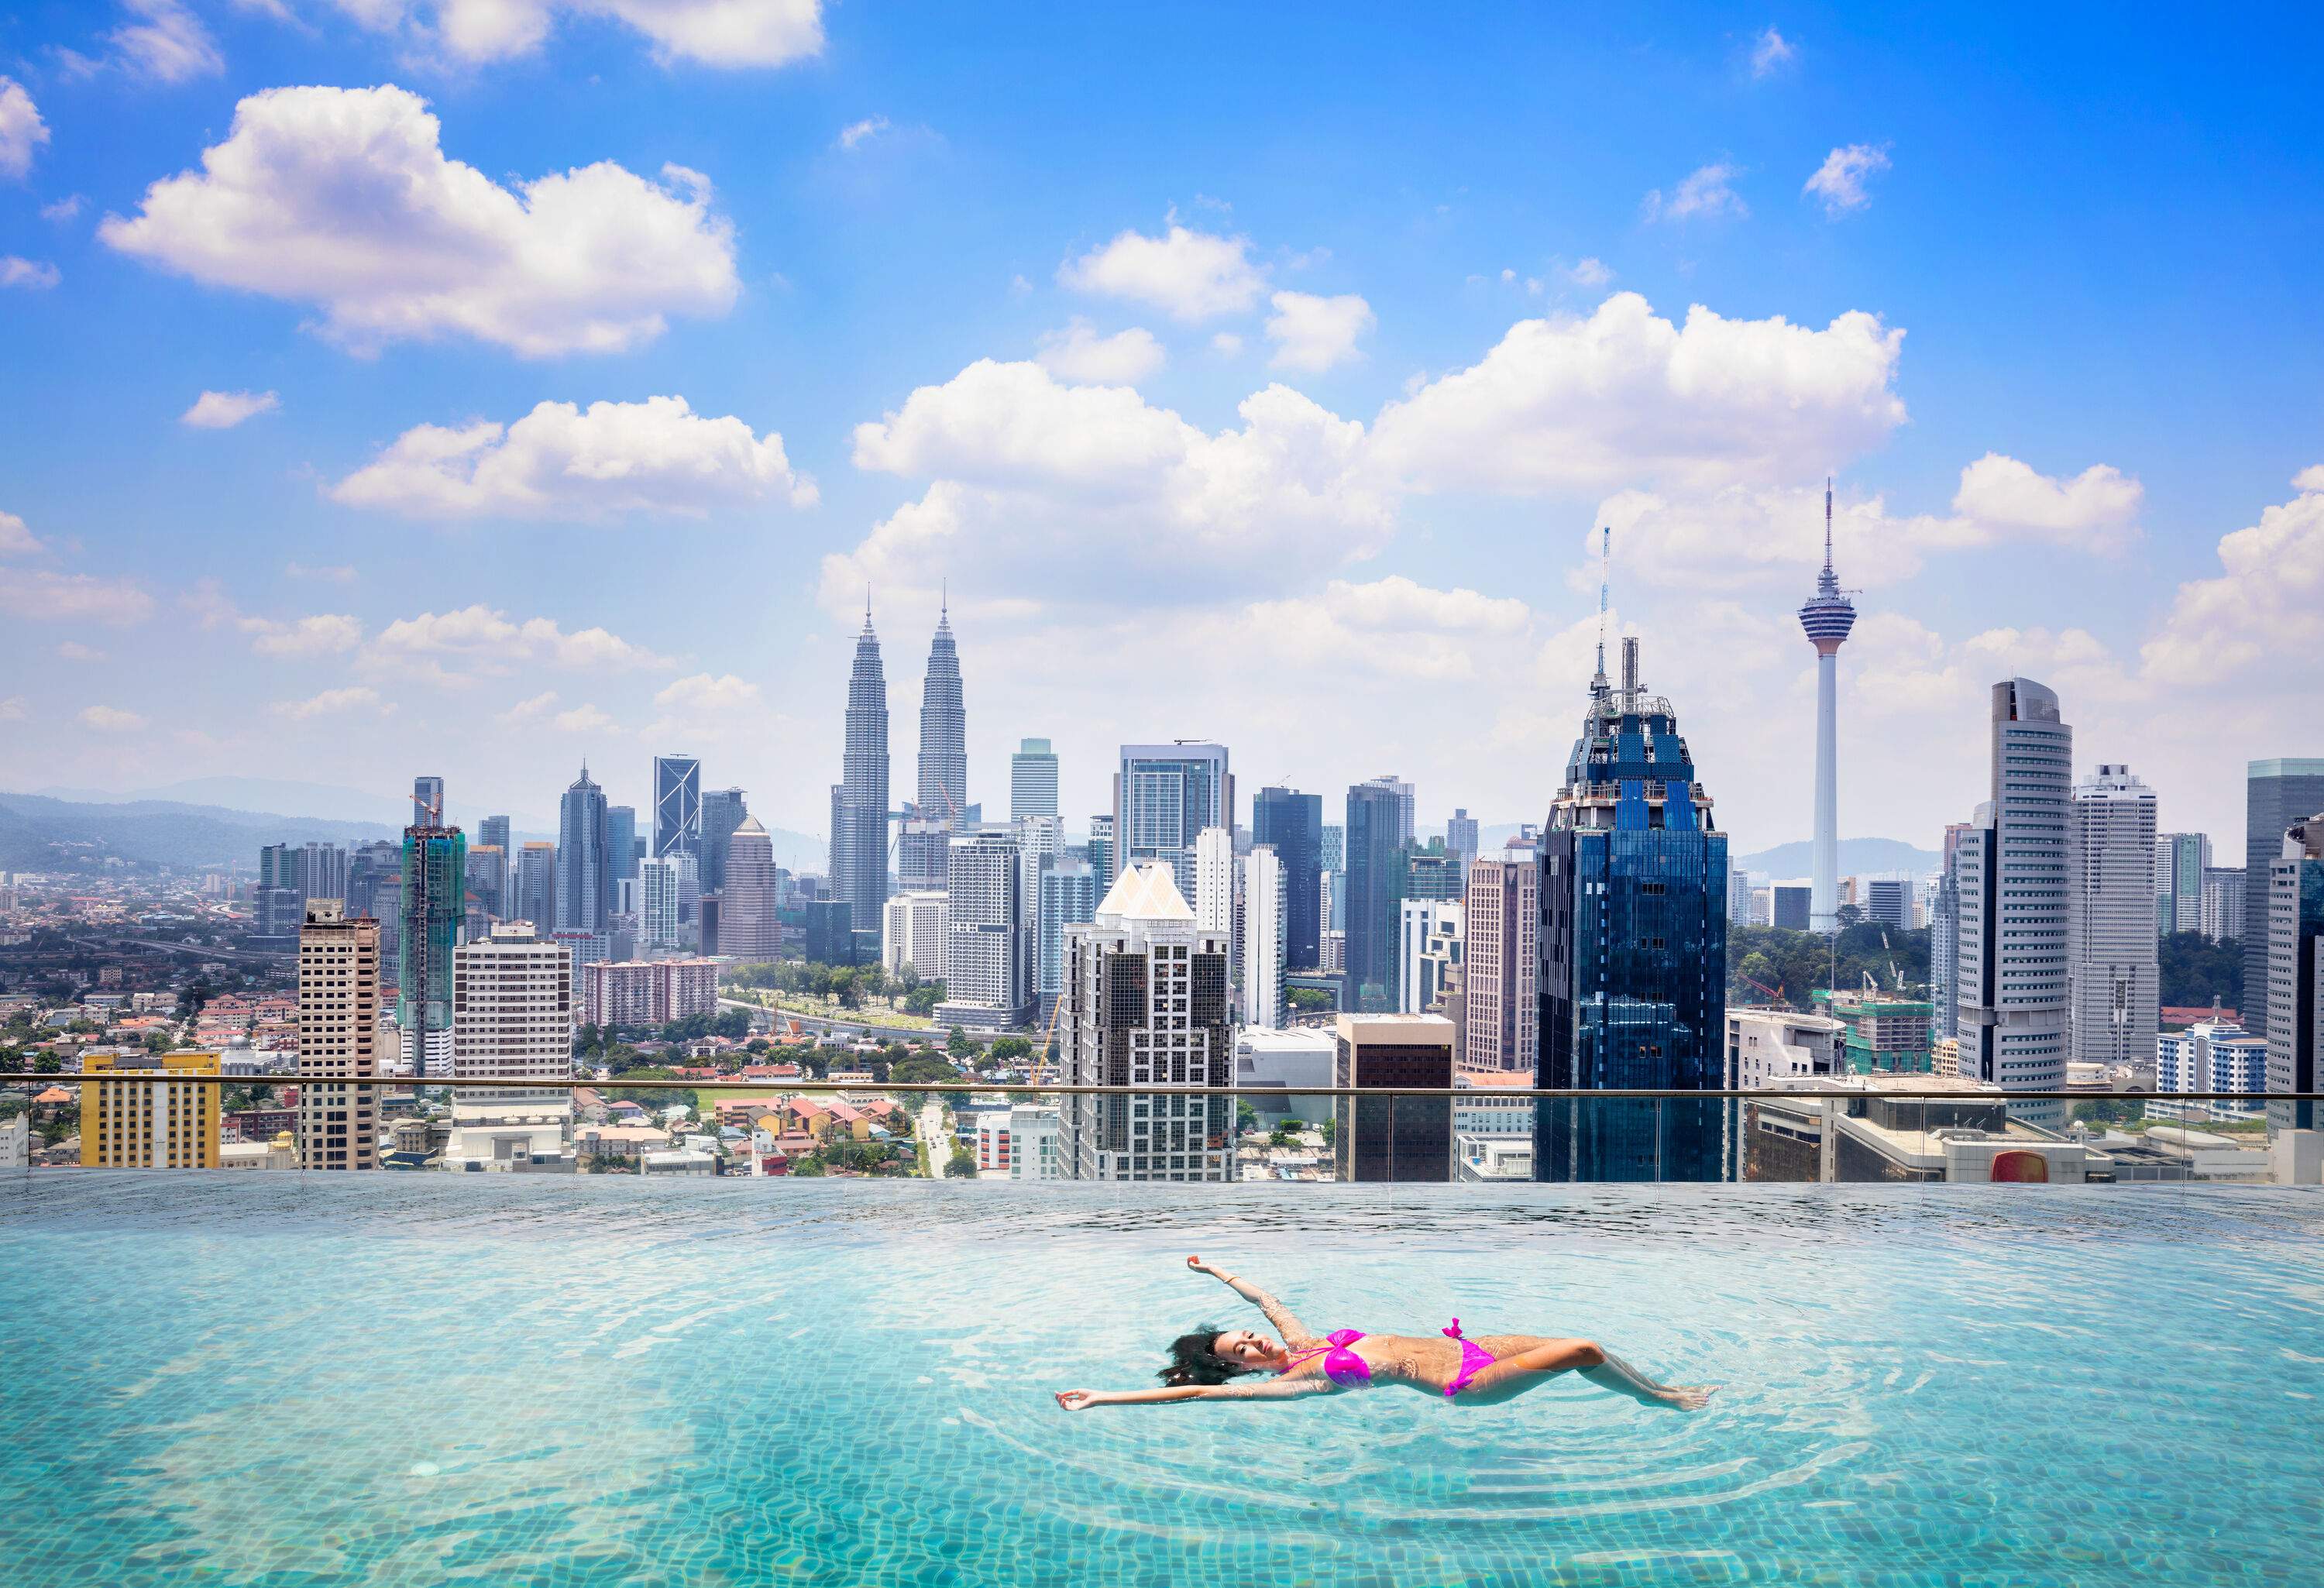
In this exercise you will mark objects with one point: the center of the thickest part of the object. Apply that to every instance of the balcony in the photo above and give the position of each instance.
(678, 1378)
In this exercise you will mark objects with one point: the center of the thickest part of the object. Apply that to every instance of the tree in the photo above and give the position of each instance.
(1309, 998)
(1281, 1135)
(2194, 970)
(910, 982)
(1246, 1118)
(958, 1044)
(962, 1165)
(1331, 1131)
(1009, 1047)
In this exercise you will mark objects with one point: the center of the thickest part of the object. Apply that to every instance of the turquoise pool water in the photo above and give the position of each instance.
(283, 1380)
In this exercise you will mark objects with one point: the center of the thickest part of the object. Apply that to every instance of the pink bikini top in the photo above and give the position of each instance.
(1342, 1366)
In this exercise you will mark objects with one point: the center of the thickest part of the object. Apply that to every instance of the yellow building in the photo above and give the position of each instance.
(150, 1125)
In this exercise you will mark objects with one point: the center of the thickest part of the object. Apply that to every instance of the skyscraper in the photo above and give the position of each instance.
(912, 933)
(428, 802)
(585, 871)
(2293, 937)
(488, 879)
(1068, 898)
(678, 805)
(1375, 857)
(2013, 1014)
(859, 801)
(1406, 804)
(1033, 779)
(2110, 938)
(435, 905)
(658, 902)
(1164, 795)
(750, 920)
(513, 998)
(1392, 1138)
(1265, 907)
(1145, 1004)
(338, 1039)
(621, 841)
(944, 730)
(986, 964)
(1461, 837)
(1500, 975)
(722, 810)
(1214, 880)
(1100, 849)
(536, 885)
(1944, 936)
(1292, 824)
(2276, 794)
(495, 830)
(2181, 859)
(1634, 947)
(1828, 616)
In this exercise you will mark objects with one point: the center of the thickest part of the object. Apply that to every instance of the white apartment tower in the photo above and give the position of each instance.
(988, 974)
(2111, 919)
(339, 1038)
(2013, 1000)
(1145, 1004)
(913, 933)
(512, 1020)
(658, 899)
(1263, 923)
(1214, 880)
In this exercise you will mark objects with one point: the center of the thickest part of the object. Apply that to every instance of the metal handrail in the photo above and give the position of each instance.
(1151, 1089)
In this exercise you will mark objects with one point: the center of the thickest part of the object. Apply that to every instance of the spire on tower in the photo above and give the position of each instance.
(1605, 577)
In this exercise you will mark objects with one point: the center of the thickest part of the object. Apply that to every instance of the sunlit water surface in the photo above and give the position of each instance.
(285, 1379)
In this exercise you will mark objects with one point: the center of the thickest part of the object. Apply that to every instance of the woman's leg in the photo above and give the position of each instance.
(1525, 1361)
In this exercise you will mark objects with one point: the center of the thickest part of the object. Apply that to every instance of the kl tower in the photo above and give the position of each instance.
(1826, 617)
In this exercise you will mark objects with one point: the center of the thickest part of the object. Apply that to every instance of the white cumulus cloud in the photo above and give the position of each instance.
(563, 461)
(1771, 50)
(111, 719)
(1314, 333)
(730, 34)
(221, 410)
(43, 597)
(453, 648)
(34, 273)
(1590, 273)
(22, 130)
(2265, 612)
(15, 539)
(329, 703)
(1187, 274)
(856, 132)
(343, 198)
(164, 44)
(1078, 352)
(1625, 395)
(1839, 181)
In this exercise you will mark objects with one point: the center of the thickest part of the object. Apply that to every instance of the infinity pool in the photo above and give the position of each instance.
(285, 1379)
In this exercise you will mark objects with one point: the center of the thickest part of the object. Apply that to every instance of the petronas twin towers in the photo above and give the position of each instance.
(860, 813)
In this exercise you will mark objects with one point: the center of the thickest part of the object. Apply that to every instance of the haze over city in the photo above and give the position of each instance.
(1269, 395)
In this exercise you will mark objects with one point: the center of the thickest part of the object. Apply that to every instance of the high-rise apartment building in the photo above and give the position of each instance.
(2181, 861)
(495, 830)
(1214, 880)
(1032, 779)
(2110, 939)
(2277, 793)
(1375, 887)
(2223, 917)
(427, 803)
(1826, 617)
(148, 1125)
(750, 919)
(1382, 1139)
(987, 962)
(648, 993)
(912, 933)
(1944, 936)
(1888, 902)
(1101, 849)
(678, 805)
(488, 879)
(1164, 795)
(2295, 970)
(338, 1039)
(513, 1018)
(1292, 824)
(859, 801)
(2013, 1013)
(1500, 970)
(536, 884)
(585, 869)
(1145, 1004)
(722, 812)
(1633, 947)
(1265, 910)
(1460, 838)
(658, 899)
(1068, 898)
(1429, 943)
(435, 910)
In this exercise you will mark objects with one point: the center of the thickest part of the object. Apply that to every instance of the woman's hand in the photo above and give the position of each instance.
(1200, 1267)
(1076, 1400)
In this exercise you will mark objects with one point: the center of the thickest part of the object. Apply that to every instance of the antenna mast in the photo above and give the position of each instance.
(1605, 575)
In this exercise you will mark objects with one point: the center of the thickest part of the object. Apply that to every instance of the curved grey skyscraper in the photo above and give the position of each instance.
(1828, 617)
(944, 731)
(584, 861)
(859, 801)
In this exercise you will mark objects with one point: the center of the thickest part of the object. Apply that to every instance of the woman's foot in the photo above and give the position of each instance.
(1689, 1397)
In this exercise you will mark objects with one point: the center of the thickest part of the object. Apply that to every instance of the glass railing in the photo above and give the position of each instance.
(1856, 1130)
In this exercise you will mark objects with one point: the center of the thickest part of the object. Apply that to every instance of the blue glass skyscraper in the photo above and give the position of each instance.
(584, 870)
(433, 905)
(1633, 949)
(1292, 823)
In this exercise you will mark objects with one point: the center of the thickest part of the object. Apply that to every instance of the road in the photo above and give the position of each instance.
(937, 1135)
(822, 1022)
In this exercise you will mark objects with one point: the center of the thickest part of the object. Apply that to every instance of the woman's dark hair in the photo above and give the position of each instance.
(1191, 1361)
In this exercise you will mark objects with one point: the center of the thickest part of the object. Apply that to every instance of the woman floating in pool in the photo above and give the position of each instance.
(1482, 1371)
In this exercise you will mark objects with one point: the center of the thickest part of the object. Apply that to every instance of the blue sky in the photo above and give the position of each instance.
(1246, 373)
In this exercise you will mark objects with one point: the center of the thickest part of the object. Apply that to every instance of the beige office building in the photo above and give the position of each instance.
(150, 1125)
(339, 1038)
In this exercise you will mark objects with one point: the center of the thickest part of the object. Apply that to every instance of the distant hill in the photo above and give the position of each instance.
(1858, 857)
(41, 832)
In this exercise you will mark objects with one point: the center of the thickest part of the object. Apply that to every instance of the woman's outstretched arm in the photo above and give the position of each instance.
(1295, 1334)
(1272, 1389)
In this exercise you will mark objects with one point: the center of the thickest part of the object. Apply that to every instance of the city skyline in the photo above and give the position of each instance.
(1380, 360)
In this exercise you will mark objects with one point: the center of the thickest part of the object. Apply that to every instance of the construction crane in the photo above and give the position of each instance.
(1896, 977)
(434, 807)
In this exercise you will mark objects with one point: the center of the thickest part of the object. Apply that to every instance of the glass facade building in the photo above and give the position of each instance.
(722, 811)
(1633, 887)
(1375, 894)
(1292, 824)
(1164, 795)
(678, 805)
(585, 875)
(2277, 793)
(434, 906)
